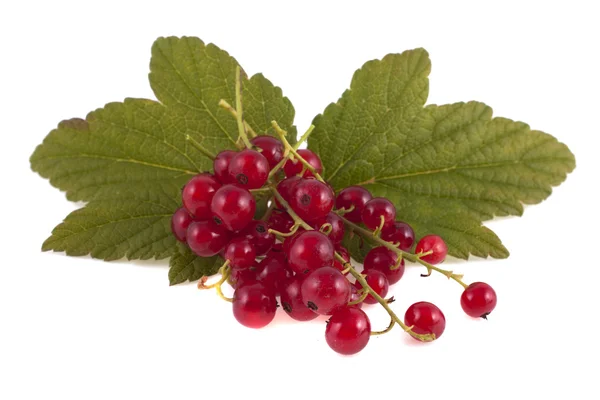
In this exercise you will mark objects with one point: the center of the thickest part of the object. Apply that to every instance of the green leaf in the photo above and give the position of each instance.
(186, 266)
(453, 158)
(356, 245)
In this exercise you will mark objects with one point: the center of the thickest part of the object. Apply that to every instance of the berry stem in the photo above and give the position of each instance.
(199, 147)
(386, 330)
(225, 105)
(238, 107)
(286, 154)
(225, 271)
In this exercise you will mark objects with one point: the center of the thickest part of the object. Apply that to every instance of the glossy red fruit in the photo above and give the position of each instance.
(254, 305)
(291, 300)
(260, 238)
(233, 207)
(206, 238)
(348, 331)
(311, 200)
(325, 289)
(401, 233)
(221, 165)
(337, 226)
(240, 253)
(435, 244)
(238, 277)
(285, 188)
(273, 271)
(354, 296)
(308, 251)
(478, 300)
(280, 221)
(383, 259)
(356, 196)
(198, 193)
(272, 149)
(295, 167)
(377, 281)
(249, 169)
(425, 318)
(345, 255)
(376, 208)
(180, 221)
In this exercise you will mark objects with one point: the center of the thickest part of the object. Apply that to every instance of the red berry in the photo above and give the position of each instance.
(354, 296)
(285, 188)
(292, 168)
(249, 169)
(376, 208)
(272, 149)
(383, 259)
(356, 196)
(280, 221)
(198, 193)
(254, 305)
(233, 207)
(425, 318)
(377, 281)
(311, 199)
(324, 290)
(272, 271)
(206, 238)
(291, 300)
(339, 265)
(180, 222)
(348, 330)
(337, 226)
(240, 253)
(237, 277)
(260, 238)
(309, 250)
(478, 300)
(401, 233)
(435, 244)
(221, 165)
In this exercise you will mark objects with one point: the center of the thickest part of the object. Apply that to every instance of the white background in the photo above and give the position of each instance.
(76, 328)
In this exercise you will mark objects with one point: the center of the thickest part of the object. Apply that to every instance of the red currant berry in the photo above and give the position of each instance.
(254, 305)
(401, 233)
(272, 149)
(354, 296)
(478, 300)
(325, 289)
(295, 167)
(291, 300)
(249, 169)
(309, 250)
(206, 238)
(221, 165)
(285, 188)
(425, 318)
(272, 271)
(180, 222)
(237, 277)
(436, 245)
(356, 196)
(198, 193)
(233, 207)
(240, 253)
(337, 226)
(311, 199)
(375, 209)
(377, 281)
(383, 259)
(339, 265)
(280, 221)
(348, 330)
(260, 238)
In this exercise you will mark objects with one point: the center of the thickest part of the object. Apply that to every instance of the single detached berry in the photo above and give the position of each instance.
(240, 253)
(272, 149)
(400, 233)
(375, 209)
(237, 277)
(478, 300)
(308, 251)
(180, 221)
(337, 264)
(436, 245)
(325, 289)
(221, 165)
(285, 188)
(311, 200)
(384, 260)
(280, 221)
(353, 196)
(233, 207)
(348, 330)
(291, 300)
(249, 169)
(273, 271)
(206, 238)
(336, 231)
(377, 281)
(260, 238)
(198, 193)
(295, 167)
(425, 318)
(254, 305)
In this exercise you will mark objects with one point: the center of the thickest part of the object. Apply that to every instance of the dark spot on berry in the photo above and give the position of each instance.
(242, 179)
(217, 220)
(312, 306)
(305, 200)
(286, 307)
(260, 228)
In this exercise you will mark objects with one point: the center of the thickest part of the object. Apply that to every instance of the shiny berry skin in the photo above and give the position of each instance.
(237, 277)
(377, 281)
(401, 233)
(233, 207)
(376, 208)
(291, 300)
(348, 330)
(260, 238)
(280, 221)
(337, 226)
(324, 290)
(180, 221)
(292, 168)
(249, 169)
(382, 259)
(272, 149)
(254, 305)
(206, 238)
(478, 300)
(198, 193)
(336, 263)
(354, 296)
(356, 196)
(432, 243)
(311, 199)
(272, 271)
(240, 253)
(221, 165)
(309, 250)
(425, 318)
(285, 188)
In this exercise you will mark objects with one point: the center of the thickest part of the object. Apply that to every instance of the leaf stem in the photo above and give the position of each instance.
(199, 147)
(225, 105)
(238, 107)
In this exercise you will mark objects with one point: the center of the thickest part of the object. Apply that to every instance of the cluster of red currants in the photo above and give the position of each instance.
(297, 253)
